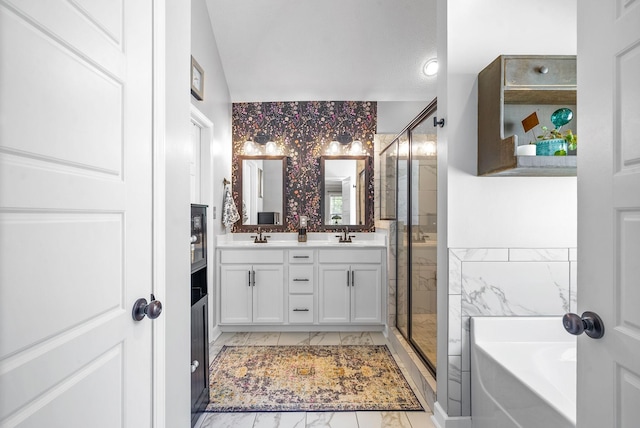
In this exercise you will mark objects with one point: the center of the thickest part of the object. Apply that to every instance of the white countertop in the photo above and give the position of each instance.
(290, 240)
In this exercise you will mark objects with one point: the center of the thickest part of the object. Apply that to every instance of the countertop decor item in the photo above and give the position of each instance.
(308, 378)
(554, 142)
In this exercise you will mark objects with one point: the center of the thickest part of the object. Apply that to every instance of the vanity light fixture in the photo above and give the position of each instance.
(334, 148)
(250, 148)
(271, 148)
(356, 148)
(430, 68)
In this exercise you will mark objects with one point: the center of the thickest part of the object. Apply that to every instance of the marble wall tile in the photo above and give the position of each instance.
(573, 254)
(455, 273)
(573, 274)
(515, 288)
(454, 387)
(455, 325)
(466, 394)
(538, 255)
(466, 344)
(481, 254)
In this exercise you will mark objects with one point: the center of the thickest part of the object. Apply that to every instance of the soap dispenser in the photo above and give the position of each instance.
(302, 229)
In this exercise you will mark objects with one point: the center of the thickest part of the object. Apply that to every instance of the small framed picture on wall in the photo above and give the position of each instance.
(197, 80)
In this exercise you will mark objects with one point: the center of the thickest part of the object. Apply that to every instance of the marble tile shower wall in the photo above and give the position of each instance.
(501, 282)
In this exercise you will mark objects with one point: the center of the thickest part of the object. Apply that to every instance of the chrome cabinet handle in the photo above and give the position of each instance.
(300, 257)
(194, 365)
(141, 309)
(353, 278)
(347, 278)
(301, 310)
(590, 323)
(301, 279)
(249, 278)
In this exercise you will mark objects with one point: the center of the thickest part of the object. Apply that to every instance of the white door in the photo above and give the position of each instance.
(609, 210)
(346, 201)
(366, 293)
(75, 213)
(268, 294)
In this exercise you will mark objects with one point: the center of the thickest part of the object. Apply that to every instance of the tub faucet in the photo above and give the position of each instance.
(345, 237)
(259, 239)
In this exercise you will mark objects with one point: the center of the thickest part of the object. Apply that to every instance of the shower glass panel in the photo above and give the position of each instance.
(423, 192)
(416, 235)
(402, 255)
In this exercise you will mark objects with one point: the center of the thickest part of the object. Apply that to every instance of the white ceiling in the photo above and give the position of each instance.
(316, 50)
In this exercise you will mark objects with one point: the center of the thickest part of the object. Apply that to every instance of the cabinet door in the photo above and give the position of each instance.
(334, 294)
(235, 294)
(366, 294)
(268, 294)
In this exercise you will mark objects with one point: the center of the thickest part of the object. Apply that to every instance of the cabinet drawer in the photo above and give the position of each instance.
(252, 256)
(301, 309)
(521, 72)
(300, 256)
(301, 279)
(350, 256)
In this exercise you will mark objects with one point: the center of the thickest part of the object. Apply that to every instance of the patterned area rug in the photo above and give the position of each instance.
(308, 378)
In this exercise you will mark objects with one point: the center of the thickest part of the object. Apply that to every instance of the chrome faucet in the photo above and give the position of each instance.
(345, 237)
(259, 239)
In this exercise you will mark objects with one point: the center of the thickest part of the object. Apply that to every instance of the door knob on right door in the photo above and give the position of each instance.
(589, 323)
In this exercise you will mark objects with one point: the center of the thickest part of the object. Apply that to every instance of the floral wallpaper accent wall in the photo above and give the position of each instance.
(302, 131)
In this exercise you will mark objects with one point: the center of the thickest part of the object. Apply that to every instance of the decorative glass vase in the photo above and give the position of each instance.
(551, 147)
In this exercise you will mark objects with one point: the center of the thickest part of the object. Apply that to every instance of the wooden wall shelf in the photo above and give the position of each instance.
(508, 86)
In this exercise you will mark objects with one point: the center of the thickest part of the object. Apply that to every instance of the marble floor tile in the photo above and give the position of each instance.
(231, 339)
(227, 420)
(383, 420)
(332, 420)
(325, 338)
(420, 419)
(294, 338)
(357, 338)
(378, 338)
(262, 339)
(281, 420)
(213, 351)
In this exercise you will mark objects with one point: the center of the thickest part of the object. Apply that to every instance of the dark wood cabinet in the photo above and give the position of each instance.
(199, 314)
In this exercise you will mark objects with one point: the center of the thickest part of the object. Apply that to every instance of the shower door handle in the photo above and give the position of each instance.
(589, 323)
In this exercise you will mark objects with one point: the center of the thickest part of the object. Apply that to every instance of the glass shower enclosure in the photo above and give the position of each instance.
(415, 151)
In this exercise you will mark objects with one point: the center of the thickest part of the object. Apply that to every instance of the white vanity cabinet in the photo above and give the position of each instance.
(302, 280)
(252, 287)
(350, 286)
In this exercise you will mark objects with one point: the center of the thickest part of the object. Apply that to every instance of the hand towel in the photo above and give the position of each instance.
(229, 211)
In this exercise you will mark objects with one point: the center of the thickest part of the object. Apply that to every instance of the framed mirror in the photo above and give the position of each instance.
(345, 191)
(260, 188)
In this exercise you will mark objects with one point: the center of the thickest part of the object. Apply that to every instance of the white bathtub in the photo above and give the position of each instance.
(523, 373)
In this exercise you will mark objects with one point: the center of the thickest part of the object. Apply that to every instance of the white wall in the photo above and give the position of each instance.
(216, 106)
(505, 211)
(176, 138)
(487, 214)
(394, 116)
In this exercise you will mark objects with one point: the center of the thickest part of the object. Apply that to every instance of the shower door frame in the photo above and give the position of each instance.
(428, 111)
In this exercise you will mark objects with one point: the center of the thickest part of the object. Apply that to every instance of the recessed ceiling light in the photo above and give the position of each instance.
(430, 68)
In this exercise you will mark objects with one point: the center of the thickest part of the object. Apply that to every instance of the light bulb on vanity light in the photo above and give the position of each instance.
(334, 148)
(356, 147)
(271, 148)
(249, 148)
